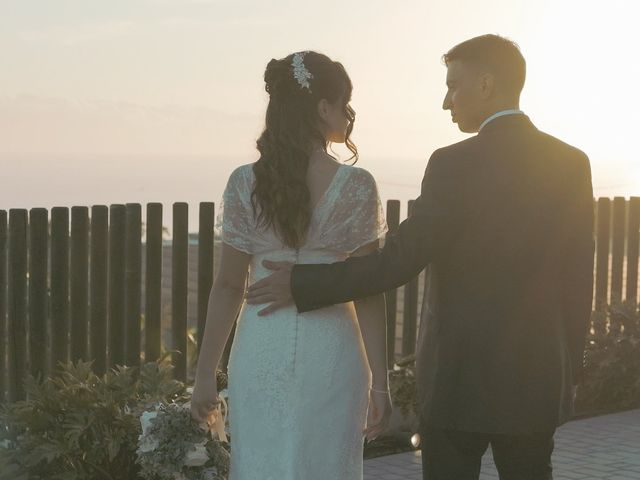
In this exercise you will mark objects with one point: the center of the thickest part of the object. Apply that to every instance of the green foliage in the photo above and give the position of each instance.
(156, 383)
(402, 384)
(75, 425)
(612, 370)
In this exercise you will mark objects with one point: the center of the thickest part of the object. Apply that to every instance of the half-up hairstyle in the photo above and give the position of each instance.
(280, 197)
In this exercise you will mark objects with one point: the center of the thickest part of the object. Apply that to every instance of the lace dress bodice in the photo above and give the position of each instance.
(348, 215)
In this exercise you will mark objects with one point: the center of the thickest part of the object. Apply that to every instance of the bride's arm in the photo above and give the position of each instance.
(371, 312)
(225, 300)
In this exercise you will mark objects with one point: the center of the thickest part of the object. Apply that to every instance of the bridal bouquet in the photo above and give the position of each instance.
(173, 446)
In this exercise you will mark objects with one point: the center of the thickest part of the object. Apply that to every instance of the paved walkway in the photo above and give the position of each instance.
(599, 448)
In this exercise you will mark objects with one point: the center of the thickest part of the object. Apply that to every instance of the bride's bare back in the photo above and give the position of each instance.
(322, 169)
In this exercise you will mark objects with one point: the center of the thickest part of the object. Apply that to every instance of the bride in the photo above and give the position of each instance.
(304, 389)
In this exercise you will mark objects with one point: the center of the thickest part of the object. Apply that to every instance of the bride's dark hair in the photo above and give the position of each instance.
(280, 197)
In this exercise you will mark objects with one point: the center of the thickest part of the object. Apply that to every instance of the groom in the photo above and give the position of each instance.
(504, 223)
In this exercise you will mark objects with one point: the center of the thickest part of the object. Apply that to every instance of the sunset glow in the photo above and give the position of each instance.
(175, 88)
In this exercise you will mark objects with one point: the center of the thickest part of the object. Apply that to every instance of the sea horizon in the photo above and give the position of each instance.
(38, 180)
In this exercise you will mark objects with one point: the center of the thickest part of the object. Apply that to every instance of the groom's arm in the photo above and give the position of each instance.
(435, 218)
(578, 288)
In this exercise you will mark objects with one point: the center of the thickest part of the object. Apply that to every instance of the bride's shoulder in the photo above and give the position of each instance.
(242, 174)
(242, 170)
(359, 175)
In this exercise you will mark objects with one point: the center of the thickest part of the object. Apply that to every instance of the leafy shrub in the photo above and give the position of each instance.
(402, 384)
(75, 425)
(612, 368)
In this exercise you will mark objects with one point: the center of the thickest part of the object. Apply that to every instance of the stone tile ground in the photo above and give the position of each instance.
(599, 448)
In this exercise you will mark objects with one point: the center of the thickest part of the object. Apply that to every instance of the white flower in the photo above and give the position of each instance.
(146, 442)
(145, 421)
(210, 473)
(197, 457)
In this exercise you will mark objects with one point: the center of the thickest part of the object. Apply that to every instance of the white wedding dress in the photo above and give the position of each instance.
(299, 383)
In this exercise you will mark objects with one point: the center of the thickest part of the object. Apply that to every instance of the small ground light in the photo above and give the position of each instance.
(415, 440)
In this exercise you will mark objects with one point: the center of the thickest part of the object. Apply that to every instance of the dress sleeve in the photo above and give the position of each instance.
(235, 215)
(359, 218)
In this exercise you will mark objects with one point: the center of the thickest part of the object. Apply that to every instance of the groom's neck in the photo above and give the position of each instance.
(499, 106)
(496, 107)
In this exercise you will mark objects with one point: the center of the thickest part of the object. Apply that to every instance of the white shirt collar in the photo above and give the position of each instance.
(501, 113)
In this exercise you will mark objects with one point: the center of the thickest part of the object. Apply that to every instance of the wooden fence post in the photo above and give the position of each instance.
(205, 263)
(179, 289)
(38, 292)
(617, 248)
(98, 287)
(602, 252)
(153, 284)
(133, 283)
(3, 305)
(59, 286)
(116, 313)
(79, 293)
(17, 304)
(633, 239)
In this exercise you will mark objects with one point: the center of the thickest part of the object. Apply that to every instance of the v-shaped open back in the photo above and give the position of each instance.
(347, 215)
(334, 183)
(322, 197)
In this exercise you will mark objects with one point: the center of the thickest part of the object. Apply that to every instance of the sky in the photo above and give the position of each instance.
(159, 100)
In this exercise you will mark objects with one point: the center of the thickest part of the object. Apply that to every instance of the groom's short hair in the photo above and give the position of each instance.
(497, 54)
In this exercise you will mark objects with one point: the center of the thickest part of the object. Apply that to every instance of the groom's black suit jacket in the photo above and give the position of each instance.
(504, 222)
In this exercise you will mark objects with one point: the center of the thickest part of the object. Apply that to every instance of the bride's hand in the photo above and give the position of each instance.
(379, 413)
(204, 399)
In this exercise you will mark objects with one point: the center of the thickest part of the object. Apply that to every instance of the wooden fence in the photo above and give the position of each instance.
(71, 284)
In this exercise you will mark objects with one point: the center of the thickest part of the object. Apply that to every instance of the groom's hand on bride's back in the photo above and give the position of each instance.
(274, 289)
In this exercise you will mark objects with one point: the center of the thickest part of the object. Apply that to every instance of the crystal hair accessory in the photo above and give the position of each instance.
(300, 72)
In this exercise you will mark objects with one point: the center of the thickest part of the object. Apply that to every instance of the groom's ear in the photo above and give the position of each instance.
(487, 85)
